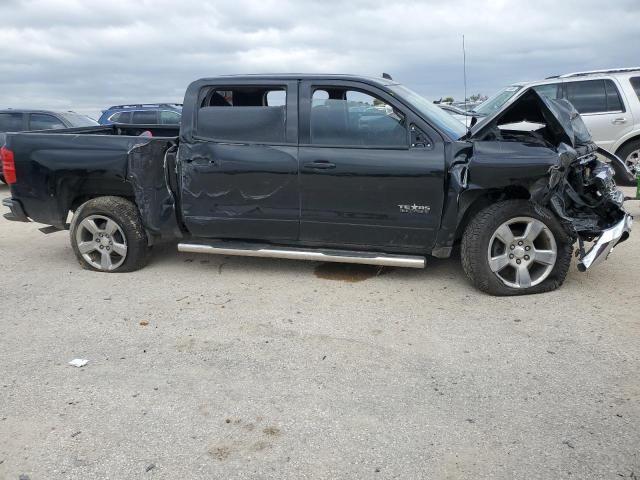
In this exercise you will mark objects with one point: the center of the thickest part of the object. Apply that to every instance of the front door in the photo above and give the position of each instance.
(239, 172)
(371, 173)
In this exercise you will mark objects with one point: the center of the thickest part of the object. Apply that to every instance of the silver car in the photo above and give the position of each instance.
(608, 101)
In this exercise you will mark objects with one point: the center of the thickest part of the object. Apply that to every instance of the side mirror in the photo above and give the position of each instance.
(419, 139)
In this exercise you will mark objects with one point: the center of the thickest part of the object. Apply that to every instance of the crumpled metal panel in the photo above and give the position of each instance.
(148, 172)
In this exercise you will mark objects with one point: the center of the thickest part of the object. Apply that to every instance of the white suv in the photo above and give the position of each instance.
(608, 101)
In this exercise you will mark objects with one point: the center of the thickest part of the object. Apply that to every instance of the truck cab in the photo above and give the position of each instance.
(309, 160)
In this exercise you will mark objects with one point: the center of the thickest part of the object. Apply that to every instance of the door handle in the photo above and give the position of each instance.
(619, 121)
(320, 164)
(203, 161)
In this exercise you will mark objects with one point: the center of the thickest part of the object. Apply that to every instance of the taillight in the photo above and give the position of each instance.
(8, 165)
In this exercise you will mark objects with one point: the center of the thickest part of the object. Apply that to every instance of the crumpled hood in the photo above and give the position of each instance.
(563, 124)
(561, 118)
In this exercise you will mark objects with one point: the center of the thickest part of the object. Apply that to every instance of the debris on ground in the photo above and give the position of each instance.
(78, 362)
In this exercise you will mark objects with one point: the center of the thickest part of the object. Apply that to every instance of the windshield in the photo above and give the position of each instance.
(443, 120)
(495, 103)
(77, 120)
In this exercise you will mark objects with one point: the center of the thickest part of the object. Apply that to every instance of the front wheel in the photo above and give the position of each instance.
(107, 235)
(514, 248)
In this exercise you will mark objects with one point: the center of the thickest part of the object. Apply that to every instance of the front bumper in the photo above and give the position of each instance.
(604, 244)
(16, 213)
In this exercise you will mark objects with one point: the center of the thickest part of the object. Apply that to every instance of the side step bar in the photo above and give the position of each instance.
(293, 253)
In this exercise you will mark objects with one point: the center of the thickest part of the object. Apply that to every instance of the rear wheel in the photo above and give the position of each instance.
(107, 235)
(514, 248)
(630, 155)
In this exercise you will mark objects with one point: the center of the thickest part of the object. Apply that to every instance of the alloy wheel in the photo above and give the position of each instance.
(633, 160)
(101, 242)
(522, 252)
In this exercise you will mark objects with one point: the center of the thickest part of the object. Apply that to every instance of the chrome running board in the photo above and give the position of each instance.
(296, 253)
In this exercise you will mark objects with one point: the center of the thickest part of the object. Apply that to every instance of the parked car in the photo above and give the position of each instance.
(293, 166)
(14, 120)
(143, 114)
(608, 100)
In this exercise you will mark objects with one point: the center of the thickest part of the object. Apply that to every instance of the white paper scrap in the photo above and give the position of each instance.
(78, 362)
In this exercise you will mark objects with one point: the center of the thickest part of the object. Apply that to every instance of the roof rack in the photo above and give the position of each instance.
(142, 105)
(596, 72)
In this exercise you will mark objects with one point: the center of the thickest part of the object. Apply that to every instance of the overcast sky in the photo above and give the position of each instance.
(88, 54)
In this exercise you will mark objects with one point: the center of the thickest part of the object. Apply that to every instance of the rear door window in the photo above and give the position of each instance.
(614, 102)
(594, 96)
(145, 117)
(43, 121)
(635, 83)
(10, 122)
(243, 114)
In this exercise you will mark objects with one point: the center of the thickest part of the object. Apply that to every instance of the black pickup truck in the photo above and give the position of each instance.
(330, 168)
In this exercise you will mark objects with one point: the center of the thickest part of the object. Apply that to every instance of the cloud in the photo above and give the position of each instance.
(85, 55)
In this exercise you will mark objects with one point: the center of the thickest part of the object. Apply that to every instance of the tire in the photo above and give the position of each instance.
(625, 152)
(483, 248)
(107, 236)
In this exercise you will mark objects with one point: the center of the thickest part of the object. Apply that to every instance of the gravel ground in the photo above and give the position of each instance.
(221, 367)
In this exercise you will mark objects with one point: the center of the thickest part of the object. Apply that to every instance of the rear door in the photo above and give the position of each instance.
(239, 171)
(372, 173)
(602, 108)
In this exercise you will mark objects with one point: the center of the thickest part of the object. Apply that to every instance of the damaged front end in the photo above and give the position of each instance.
(578, 185)
(582, 193)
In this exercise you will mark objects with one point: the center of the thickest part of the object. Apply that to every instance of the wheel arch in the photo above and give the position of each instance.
(94, 187)
(635, 137)
(476, 200)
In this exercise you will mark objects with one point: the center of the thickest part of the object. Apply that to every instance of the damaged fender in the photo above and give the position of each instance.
(152, 188)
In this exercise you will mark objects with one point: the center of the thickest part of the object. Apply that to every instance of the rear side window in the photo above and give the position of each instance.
(10, 122)
(635, 83)
(594, 96)
(42, 121)
(243, 114)
(168, 117)
(352, 118)
(146, 117)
